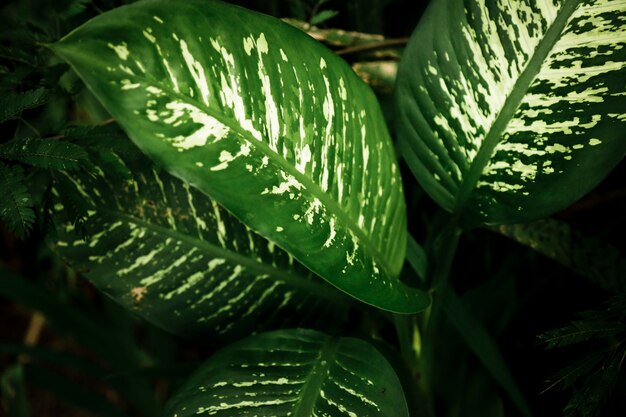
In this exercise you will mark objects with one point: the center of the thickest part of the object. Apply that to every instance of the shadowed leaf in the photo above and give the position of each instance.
(299, 373)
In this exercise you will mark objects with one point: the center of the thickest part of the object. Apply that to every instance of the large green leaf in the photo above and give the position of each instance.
(169, 253)
(509, 111)
(297, 373)
(268, 122)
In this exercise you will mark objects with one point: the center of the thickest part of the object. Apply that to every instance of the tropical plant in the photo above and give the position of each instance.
(228, 178)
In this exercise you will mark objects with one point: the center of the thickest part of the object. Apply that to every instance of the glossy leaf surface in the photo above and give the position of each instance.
(297, 373)
(509, 111)
(268, 122)
(169, 253)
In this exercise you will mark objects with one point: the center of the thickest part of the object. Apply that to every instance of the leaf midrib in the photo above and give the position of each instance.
(300, 283)
(494, 136)
(312, 387)
(310, 185)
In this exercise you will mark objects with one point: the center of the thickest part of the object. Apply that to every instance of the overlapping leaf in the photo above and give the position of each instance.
(171, 254)
(512, 110)
(265, 120)
(297, 373)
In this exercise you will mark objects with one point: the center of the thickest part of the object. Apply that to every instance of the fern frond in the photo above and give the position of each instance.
(13, 105)
(580, 331)
(16, 204)
(45, 153)
(590, 399)
(567, 376)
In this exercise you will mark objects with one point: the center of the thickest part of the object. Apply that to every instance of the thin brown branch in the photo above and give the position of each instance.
(387, 43)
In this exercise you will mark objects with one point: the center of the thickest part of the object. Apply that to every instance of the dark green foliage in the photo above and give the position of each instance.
(594, 377)
(45, 153)
(14, 104)
(589, 256)
(13, 391)
(16, 205)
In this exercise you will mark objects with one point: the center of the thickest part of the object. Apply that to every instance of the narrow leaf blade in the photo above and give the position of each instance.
(483, 345)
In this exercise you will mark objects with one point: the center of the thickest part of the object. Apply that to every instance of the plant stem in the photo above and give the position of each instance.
(410, 348)
(418, 356)
(444, 251)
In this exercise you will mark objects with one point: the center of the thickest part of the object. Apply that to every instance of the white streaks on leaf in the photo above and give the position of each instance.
(288, 185)
(197, 72)
(210, 127)
(332, 233)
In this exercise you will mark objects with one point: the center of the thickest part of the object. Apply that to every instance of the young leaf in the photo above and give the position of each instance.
(510, 111)
(16, 205)
(298, 373)
(171, 254)
(269, 123)
(323, 16)
(45, 153)
(14, 104)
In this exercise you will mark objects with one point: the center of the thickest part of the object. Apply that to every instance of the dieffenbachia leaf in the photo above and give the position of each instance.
(169, 253)
(268, 122)
(511, 110)
(297, 373)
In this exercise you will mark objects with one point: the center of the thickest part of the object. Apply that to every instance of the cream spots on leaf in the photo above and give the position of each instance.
(120, 50)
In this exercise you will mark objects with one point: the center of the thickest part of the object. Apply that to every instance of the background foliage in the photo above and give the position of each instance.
(552, 303)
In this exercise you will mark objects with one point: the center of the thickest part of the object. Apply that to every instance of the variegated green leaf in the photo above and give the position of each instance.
(169, 253)
(268, 122)
(297, 373)
(511, 110)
